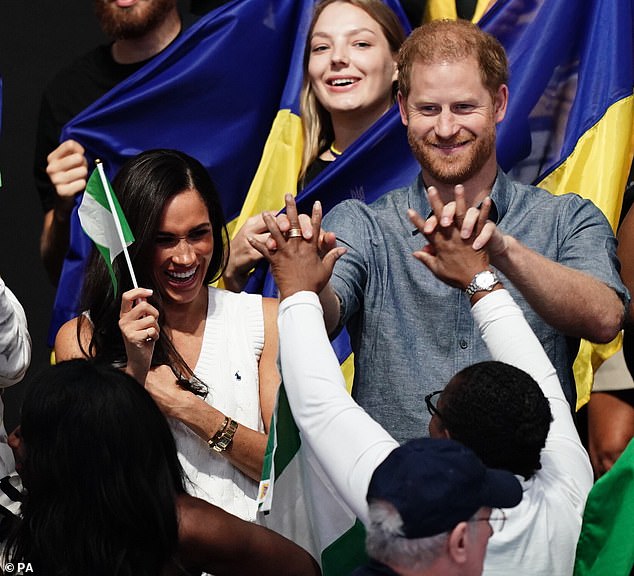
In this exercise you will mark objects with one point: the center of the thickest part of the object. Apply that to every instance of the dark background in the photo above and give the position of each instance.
(36, 40)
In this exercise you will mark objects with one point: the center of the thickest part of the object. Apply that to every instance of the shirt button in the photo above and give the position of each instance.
(464, 344)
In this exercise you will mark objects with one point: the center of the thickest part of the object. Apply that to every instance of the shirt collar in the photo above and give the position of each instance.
(417, 199)
(501, 196)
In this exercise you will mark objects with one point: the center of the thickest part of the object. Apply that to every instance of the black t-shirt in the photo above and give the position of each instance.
(72, 90)
(314, 169)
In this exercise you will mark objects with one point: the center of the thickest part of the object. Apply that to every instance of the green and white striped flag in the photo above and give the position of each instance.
(298, 500)
(103, 221)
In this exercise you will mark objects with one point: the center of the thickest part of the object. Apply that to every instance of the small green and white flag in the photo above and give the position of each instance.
(103, 221)
(298, 500)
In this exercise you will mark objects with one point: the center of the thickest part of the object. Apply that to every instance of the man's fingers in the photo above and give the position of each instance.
(271, 224)
(485, 210)
(327, 241)
(416, 219)
(282, 222)
(430, 225)
(316, 220)
(469, 223)
(485, 235)
(306, 226)
(291, 219)
(475, 219)
(435, 202)
(461, 204)
(260, 246)
(448, 215)
(332, 256)
(254, 225)
(66, 148)
(426, 258)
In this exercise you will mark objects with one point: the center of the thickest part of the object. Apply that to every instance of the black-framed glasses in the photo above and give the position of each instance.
(431, 400)
(496, 519)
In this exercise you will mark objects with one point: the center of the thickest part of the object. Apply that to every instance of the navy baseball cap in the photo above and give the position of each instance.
(436, 483)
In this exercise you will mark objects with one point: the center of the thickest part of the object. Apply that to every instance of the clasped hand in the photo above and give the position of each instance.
(299, 261)
(457, 238)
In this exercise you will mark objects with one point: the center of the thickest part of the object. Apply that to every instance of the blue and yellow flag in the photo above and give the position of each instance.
(568, 127)
(227, 92)
(281, 161)
(439, 9)
(213, 93)
(571, 109)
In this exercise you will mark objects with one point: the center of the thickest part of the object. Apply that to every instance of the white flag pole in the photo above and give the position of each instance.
(117, 223)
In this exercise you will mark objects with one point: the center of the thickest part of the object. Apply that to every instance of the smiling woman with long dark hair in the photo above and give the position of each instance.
(207, 356)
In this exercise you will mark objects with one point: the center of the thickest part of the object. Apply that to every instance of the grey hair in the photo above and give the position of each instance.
(386, 542)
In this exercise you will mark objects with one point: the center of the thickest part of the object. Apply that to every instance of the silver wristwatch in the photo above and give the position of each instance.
(482, 282)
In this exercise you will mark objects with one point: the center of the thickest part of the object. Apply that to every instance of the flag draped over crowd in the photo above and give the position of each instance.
(227, 92)
(572, 72)
(213, 93)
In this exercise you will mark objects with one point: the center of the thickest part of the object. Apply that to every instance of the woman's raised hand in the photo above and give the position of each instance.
(138, 322)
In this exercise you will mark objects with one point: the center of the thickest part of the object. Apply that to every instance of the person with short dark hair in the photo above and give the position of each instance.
(516, 434)
(105, 491)
(500, 412)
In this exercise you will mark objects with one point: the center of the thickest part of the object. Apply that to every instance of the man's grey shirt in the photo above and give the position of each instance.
(409, 331)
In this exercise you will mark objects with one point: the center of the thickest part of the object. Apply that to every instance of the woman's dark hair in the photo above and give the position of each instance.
(101, 475)
(143, 187)
(499, 412)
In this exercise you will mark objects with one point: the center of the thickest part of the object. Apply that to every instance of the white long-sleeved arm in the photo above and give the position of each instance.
(510, 339)
(15, 357)
(348, 443)
(15, 342)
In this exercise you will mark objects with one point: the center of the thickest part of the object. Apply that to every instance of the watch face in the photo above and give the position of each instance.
(484, 279)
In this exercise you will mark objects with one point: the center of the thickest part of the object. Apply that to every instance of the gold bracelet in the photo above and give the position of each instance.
(220, 444)
(212, 441)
